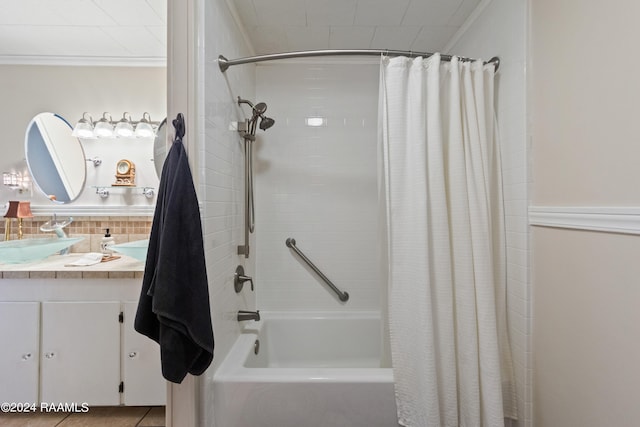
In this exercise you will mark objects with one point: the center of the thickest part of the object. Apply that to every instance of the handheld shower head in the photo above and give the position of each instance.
(266, 122)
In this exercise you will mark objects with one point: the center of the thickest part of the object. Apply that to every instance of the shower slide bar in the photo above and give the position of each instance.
(225, 63)
(291, 243)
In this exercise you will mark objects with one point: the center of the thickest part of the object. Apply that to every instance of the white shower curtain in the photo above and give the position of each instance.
(445, 243)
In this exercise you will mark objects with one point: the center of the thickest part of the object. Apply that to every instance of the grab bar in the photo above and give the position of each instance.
(291, 243)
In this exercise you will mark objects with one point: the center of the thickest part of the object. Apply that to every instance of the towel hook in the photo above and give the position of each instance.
(178, 124)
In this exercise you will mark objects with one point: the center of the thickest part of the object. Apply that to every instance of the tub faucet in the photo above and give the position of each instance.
(248, 315)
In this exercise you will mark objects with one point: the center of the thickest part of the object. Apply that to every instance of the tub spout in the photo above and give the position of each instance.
(248, 315)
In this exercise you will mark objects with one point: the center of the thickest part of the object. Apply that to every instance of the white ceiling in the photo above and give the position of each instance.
(290, 25)
(97, 31)
(134, 32)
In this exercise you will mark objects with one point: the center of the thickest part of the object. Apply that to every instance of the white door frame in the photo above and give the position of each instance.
(184, 23)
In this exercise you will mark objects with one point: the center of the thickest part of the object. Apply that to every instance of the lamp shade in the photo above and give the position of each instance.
(144, 129)
(12, 211)
(84, 128)
(124, 128)
(103, 129)
(24, 210)
(19, 210)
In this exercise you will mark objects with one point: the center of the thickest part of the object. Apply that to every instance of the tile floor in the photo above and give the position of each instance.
(102, 416)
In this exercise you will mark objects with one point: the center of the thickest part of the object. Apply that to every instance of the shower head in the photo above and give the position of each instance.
(266, 122)
(257, 112)
(260, 108)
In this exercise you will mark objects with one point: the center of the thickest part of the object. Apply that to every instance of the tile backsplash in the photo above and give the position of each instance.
(122, 229)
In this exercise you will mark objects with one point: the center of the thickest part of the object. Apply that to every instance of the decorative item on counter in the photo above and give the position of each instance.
(17, 210)
(92, 258)
(125, 174)
(87, 259)
(106, 243)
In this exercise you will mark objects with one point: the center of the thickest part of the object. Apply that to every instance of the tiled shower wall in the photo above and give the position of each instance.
(500, 29)
(221, 161)
(220, 169)
(317, 185)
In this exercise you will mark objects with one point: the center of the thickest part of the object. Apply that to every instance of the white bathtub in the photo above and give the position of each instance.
(311, 370)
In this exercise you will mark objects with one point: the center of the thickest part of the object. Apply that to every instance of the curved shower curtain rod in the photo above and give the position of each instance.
(225, 63)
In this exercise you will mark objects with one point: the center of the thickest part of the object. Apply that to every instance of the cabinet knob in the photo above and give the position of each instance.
(49, 355)
(132, 354)
(26, 356)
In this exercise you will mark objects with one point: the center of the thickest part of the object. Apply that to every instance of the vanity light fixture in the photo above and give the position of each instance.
(144, 129)
(16, 181)
(124, 128)
(86, 128)
(12, 180)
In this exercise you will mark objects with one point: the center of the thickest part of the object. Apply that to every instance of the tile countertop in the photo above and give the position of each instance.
(53, 267)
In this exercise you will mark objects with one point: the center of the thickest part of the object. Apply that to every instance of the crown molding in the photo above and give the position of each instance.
(95, 61)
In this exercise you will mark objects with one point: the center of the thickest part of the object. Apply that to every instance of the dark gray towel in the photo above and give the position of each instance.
(174, 303)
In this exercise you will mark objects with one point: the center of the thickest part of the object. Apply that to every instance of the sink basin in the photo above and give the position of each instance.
(136, 249)
(28, 250)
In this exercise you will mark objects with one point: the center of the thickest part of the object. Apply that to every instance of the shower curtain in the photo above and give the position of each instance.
(444, 242)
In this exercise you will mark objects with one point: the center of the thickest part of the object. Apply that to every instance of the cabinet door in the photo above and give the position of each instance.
(80, 357)
(142, 374)
(19, 333)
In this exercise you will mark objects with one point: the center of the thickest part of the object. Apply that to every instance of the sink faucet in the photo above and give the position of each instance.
(58, 228)
(248, 315)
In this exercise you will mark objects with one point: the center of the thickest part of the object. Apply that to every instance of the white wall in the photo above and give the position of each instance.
(585, 154)
(500, 29)
(220, 169)
(318, 185)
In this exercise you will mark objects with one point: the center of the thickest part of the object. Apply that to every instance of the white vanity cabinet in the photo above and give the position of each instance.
(141, 371)
(19, 337)
(73, 341)
(80, 356)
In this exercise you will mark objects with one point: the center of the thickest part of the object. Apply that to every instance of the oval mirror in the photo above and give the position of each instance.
(55, 159)
(160, 147)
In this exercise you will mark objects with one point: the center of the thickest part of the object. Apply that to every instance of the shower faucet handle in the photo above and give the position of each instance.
(239, 279)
